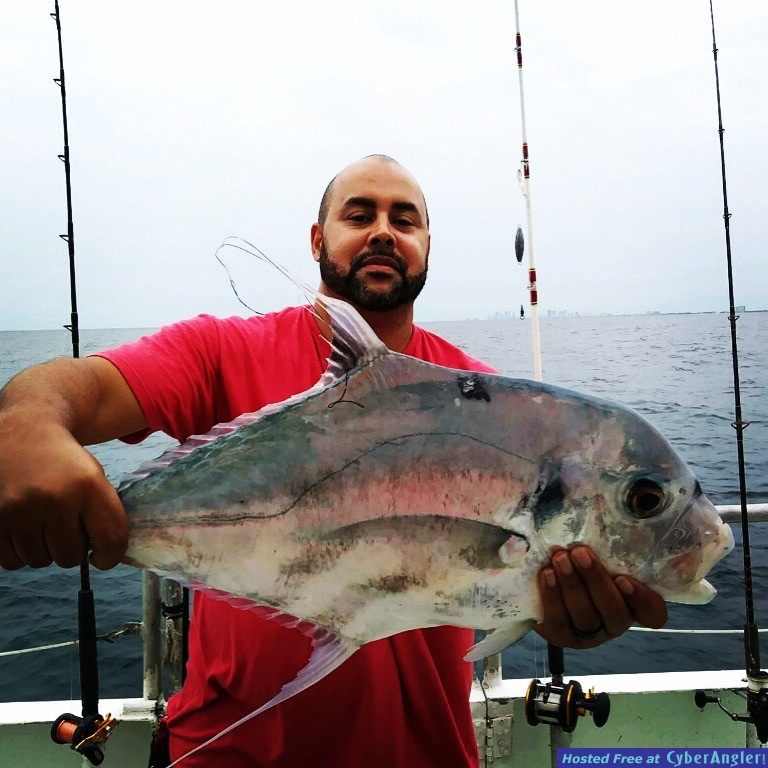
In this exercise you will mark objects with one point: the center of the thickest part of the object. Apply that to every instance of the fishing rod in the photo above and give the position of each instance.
(524, 177)
(84, 734)
(556, 703)
(538, 694)
(757, 679)
(69, 238)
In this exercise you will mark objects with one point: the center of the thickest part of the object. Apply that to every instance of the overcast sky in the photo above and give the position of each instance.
(190, 122)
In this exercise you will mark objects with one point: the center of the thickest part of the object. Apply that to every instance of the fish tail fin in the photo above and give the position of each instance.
(329, 651)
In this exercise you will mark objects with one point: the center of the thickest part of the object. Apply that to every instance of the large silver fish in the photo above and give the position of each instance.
(397, 494)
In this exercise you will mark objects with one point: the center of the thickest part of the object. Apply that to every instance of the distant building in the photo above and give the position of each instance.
(564, 313)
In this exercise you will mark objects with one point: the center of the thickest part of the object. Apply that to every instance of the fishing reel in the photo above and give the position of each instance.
(757, 704)
(85, 735)
(558, 703)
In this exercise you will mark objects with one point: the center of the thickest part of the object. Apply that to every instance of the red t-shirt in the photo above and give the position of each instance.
(397, 702)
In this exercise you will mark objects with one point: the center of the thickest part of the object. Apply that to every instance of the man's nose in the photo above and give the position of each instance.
(381, 232)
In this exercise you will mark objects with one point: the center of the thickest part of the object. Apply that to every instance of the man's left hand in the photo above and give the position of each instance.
(583, 605)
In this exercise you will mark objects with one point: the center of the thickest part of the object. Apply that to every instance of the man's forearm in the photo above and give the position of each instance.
(61, 391)
(87, 397)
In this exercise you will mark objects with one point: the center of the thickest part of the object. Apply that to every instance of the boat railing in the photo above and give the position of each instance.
(731, 513)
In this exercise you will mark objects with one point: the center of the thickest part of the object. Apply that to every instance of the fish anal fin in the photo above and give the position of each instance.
(499, 639)
(329, 651)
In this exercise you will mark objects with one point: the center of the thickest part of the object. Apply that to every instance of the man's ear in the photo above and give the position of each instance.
(316, 240)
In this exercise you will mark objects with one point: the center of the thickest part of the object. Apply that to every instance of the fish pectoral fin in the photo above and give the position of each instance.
(499, 639)
(514, 549)
(696, 593)
(481, 546)
(329, 651)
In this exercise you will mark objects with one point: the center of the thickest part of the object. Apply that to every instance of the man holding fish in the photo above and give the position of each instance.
(398, 701)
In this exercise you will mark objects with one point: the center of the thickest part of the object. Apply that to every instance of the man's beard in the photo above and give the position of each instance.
(351, 287)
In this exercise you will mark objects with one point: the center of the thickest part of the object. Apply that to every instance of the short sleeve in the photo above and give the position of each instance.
(175, 375)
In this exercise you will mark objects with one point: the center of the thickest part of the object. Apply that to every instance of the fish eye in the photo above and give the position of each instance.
(645, 499)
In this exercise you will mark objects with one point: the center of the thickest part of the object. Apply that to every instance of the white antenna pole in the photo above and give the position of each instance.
(524, 177)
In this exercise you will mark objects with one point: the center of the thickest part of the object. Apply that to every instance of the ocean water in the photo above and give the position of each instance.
(674, 369)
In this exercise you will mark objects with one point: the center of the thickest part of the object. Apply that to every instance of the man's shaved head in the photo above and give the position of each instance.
(325, 202)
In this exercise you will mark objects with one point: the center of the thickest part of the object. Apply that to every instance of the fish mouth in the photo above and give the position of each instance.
(697, 541)
(688, 550)
(720, 549)
(694, 565)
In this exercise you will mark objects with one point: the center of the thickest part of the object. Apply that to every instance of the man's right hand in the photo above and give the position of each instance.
(56, 504)
(55, 501)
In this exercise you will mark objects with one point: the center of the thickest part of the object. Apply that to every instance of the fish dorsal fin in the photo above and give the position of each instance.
(354, 344)
(193, 442)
